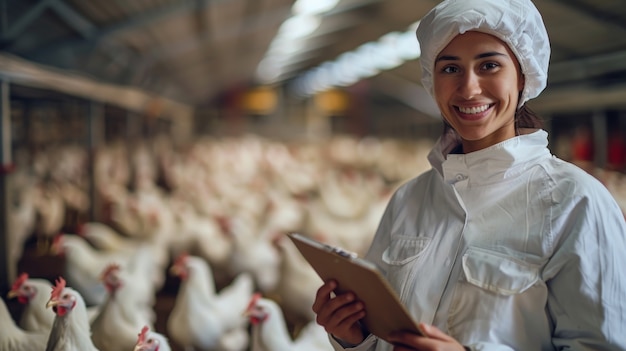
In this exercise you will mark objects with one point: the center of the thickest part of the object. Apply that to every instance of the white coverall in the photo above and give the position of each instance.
(507, 248)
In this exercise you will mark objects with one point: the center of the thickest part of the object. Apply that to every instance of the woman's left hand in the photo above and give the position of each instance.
(433, 340)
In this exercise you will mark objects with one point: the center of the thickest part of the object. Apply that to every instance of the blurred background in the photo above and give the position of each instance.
(213, 127)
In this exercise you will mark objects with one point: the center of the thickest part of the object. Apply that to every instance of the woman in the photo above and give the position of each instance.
(500, 246)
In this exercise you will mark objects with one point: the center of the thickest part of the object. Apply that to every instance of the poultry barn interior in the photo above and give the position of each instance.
(156, 152)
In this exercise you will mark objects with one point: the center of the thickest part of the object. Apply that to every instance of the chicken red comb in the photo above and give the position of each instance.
(253, 301)
(58, 288)
(19, 281)
(143, 334)
(113, 267)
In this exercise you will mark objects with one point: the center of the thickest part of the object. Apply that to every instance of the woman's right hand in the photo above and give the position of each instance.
(340, 314)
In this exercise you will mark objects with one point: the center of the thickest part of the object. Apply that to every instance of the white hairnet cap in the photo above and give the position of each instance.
(518, 23)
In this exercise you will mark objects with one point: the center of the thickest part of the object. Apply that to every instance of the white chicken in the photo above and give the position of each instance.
(269, 330)
(203, 319)
(22, 215)
(84, 264)
(114, 327)
(13, 338)
(298, 284)
(71, 330)
(254, 253)
(151, 341)
(33, 293)
(341, 192)
(104, 237)
(50, 208)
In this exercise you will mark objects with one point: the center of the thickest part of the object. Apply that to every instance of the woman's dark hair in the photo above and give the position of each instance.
(527, 118)
(524, 118)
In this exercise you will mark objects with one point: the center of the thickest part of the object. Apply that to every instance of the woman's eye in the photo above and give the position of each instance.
(490, 65)
(449, 69)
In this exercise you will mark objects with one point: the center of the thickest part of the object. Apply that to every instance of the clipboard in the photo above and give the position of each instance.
(385, 312)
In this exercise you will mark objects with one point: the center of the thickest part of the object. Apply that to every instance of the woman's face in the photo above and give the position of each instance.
(477, 82)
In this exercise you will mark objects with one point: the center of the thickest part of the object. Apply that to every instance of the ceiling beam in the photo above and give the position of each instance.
(21, 23)
(70, 17)
(603, 17)
(138, 21)
(73, 19)
(585, 69)
(251, 24)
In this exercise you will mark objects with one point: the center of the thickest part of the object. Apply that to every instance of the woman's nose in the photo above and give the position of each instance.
(469, 85)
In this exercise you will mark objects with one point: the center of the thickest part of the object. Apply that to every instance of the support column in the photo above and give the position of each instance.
(95, 138)
(8, 267)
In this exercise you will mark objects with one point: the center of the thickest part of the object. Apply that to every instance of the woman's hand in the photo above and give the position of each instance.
(433, 340)
(339, 315)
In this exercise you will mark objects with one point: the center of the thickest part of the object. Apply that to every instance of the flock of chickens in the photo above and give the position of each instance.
(214, 214)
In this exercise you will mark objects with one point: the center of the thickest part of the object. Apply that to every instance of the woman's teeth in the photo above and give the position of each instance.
(473, 110)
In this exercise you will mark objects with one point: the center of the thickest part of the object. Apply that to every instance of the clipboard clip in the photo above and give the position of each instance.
(343, 253)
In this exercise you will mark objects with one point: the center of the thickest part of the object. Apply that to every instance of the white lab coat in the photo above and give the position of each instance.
(507, 248)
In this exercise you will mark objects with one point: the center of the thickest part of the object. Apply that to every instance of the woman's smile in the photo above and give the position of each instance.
(473, 113)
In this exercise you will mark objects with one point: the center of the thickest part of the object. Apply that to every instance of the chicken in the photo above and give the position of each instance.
(71, 330)
(84, 264)
(50, 208)
(342, 193)
(13, 338)
(22, 216)
(151, 341)
(254, 253)
(298, 283)
(114, 327)
(203, 319)
(104, 237)
(269, 330)
(33, 293)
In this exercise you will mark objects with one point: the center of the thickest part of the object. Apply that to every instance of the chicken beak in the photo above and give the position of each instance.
(175, 270)
(52, 303)
(12, 294)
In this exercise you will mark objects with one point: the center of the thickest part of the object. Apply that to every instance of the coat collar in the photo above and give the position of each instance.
(495, 163)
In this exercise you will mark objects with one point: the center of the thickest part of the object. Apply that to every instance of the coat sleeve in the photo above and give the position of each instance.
(369, 344)
(585, 275)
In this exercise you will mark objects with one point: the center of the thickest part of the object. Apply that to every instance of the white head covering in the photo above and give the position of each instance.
(518, 23)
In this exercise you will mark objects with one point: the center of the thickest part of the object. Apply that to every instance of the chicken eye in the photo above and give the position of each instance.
(66, 296)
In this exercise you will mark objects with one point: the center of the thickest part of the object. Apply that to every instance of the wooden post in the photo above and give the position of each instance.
(95, 137)
(7, 266)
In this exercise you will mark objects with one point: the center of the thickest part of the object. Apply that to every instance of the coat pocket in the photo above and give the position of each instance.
(403, 249)
(497, 272)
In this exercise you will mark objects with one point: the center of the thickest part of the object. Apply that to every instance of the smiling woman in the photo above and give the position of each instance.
(500, 245)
